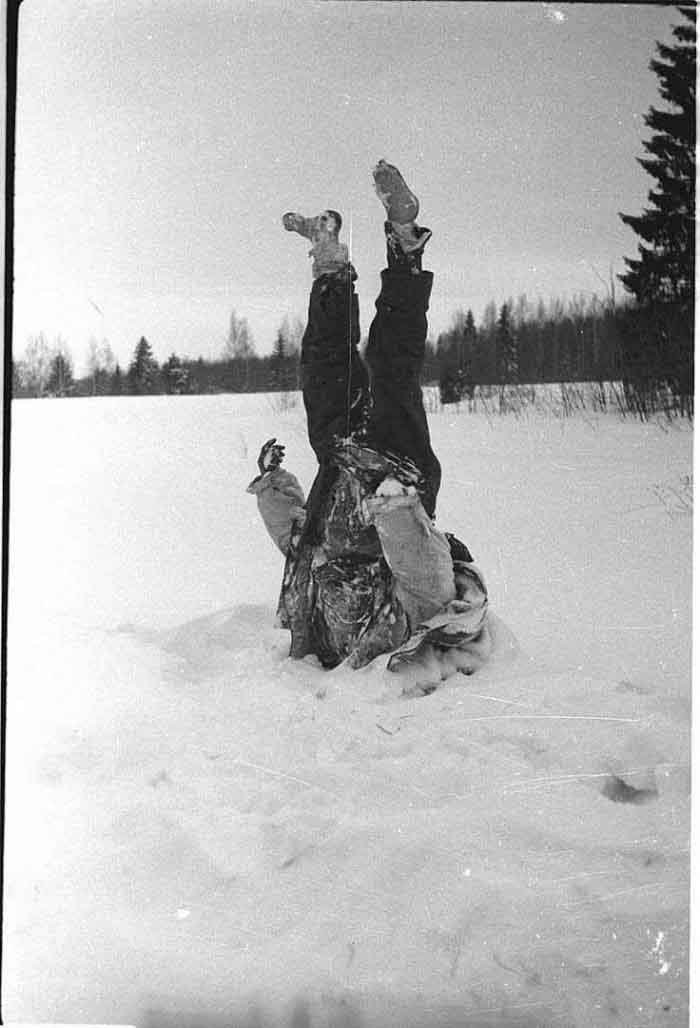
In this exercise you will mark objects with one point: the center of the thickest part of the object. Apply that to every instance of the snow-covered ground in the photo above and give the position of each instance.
(201, 832)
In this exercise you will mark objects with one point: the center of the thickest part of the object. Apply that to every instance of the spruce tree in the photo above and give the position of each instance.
(176, 379)
(60, 380)
(448, 364)
(143, 370)
(116, 381)
(665, 269)
(466, 364)
(469, 338)
(507, 348)
(277, 361)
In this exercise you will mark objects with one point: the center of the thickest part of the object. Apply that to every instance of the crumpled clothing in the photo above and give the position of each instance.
(340, 598)
(461, 625)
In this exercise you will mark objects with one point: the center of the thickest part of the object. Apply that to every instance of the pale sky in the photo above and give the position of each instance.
(160, 141)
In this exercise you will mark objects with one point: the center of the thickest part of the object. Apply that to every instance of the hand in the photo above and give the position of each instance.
(271, 456)
(292, 221)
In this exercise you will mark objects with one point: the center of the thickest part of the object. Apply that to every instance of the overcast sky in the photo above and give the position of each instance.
(160, 141)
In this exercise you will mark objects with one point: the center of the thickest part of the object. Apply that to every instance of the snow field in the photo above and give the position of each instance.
(203, 832)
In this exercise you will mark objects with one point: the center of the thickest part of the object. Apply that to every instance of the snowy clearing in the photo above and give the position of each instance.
(203, 832)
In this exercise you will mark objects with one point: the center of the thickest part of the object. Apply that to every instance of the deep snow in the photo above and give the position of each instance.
(203, 832)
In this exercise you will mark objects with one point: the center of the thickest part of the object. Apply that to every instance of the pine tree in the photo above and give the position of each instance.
(507, 348)
(469, 336)
(656, 334)
(277, 361)
(455, 357)
(176, 379)
(279, 350)
(466, 363)
(665, 269)
(143, 370)
(117, 381)
(60, 381)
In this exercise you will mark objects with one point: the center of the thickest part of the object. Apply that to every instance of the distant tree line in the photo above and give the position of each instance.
(524, 342)
(520, 342)
(47, 369)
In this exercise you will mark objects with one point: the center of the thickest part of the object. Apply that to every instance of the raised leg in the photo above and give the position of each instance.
(335, 382)
(396, 346)
(395, 355)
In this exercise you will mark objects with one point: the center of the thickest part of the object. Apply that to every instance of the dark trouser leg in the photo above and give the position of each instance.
(335, 382)
(395, 355)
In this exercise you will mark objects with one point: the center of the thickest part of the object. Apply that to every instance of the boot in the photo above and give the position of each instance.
(400, 203)
(330, 256)
(307, 227)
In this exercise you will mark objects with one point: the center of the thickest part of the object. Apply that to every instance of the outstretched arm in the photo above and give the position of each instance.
(278, 493)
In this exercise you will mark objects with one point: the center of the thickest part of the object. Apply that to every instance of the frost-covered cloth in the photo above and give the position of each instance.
(459, 630)
(388, 582)
(329, 256)
(337, 594)
(280, 502)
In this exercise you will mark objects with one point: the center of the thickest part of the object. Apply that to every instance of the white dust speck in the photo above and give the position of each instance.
(182, 913)
(467, 872)
(658, 950)
(554, 14)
